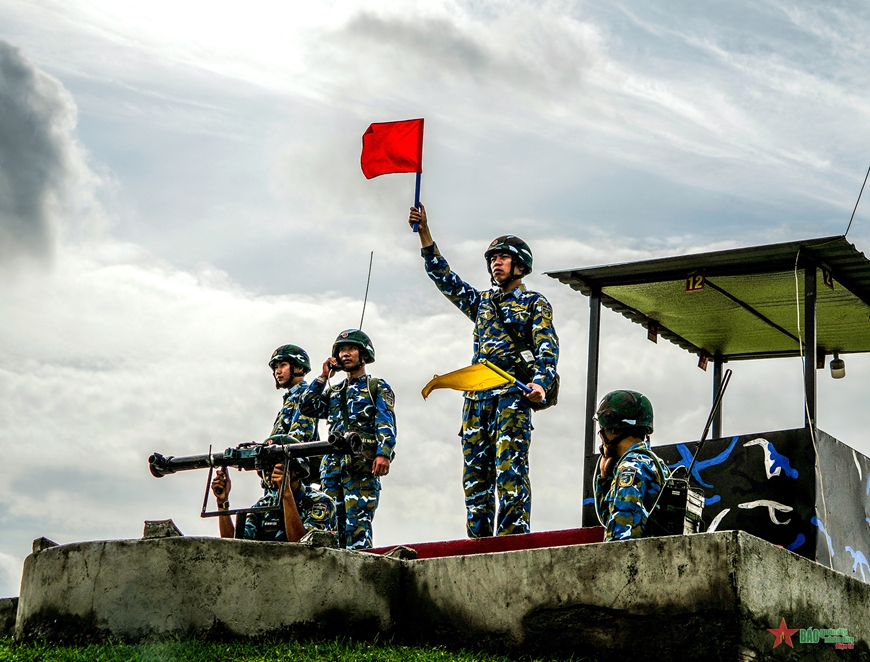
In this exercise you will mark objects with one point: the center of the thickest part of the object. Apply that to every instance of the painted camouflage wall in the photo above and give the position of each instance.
(766, 484)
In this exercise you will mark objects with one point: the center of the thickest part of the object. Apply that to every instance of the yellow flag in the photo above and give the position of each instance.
(473, 378)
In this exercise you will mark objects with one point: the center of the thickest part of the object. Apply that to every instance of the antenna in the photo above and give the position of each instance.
(366, 297)
(856, 202)
(669, 509)
(716, 404)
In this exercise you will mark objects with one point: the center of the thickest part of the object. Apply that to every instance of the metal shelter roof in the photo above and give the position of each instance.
(742, 303)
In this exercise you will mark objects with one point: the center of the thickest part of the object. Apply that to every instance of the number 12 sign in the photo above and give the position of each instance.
(695, 282)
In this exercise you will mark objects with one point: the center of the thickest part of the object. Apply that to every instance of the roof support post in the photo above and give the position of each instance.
(591, 385)
(717, 386)
(810, 344)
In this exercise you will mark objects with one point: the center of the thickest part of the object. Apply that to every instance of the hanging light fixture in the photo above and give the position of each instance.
(838, 367)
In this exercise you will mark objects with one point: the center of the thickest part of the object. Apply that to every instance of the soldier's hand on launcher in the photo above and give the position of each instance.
(221, 485)
(277, 475)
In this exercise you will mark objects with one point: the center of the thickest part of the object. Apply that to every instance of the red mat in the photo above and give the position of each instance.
(434, 550)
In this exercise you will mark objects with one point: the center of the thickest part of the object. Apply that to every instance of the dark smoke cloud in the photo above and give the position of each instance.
(37, 154)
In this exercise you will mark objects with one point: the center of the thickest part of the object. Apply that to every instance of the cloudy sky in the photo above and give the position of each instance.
(180, 193)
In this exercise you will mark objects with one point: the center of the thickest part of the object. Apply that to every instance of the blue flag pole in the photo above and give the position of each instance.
(506, 375)
(417, 198)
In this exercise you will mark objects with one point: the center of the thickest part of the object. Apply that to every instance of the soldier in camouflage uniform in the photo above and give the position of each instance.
(496, 424)
(303, 508)
(629, 476)
(361, 404)
(290, 364)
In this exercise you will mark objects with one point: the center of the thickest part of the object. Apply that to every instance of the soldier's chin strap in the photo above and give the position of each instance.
(512, 276)
(359, 364)
(293, 375)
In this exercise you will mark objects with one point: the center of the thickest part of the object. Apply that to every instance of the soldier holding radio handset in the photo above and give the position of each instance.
(360, 404)
(629, 476)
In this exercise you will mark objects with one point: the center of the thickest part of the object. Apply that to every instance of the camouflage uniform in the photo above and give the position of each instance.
(316, 510)
(496, 424)
(290, 422)
(349, 480)
(624, 500)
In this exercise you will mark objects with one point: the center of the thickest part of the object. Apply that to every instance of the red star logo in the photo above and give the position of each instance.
(783, 633)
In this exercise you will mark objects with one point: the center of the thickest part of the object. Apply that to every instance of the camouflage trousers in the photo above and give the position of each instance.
(496, 434)
(356, 491)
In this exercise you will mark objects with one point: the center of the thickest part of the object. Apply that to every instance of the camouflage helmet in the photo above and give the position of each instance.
(358, 338)
(625, 409)
(512, 245)
(302, 471)
(291, 354)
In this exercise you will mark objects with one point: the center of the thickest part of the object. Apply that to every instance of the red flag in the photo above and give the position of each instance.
(390, 147)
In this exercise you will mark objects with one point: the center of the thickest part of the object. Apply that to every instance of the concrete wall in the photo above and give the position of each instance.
(708, 596)
(573, 599)
(8, 609)
(773, 584)
(702, 597)
(138, 589)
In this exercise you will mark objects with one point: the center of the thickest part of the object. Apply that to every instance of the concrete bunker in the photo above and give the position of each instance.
(704, 596)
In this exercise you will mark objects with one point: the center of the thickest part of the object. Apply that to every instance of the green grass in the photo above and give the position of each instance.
(323, 651)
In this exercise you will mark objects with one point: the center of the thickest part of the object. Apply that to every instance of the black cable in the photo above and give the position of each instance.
(856, 202)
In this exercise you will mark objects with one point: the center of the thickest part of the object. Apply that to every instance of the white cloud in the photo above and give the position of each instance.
(10, 574)
(696, 99)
